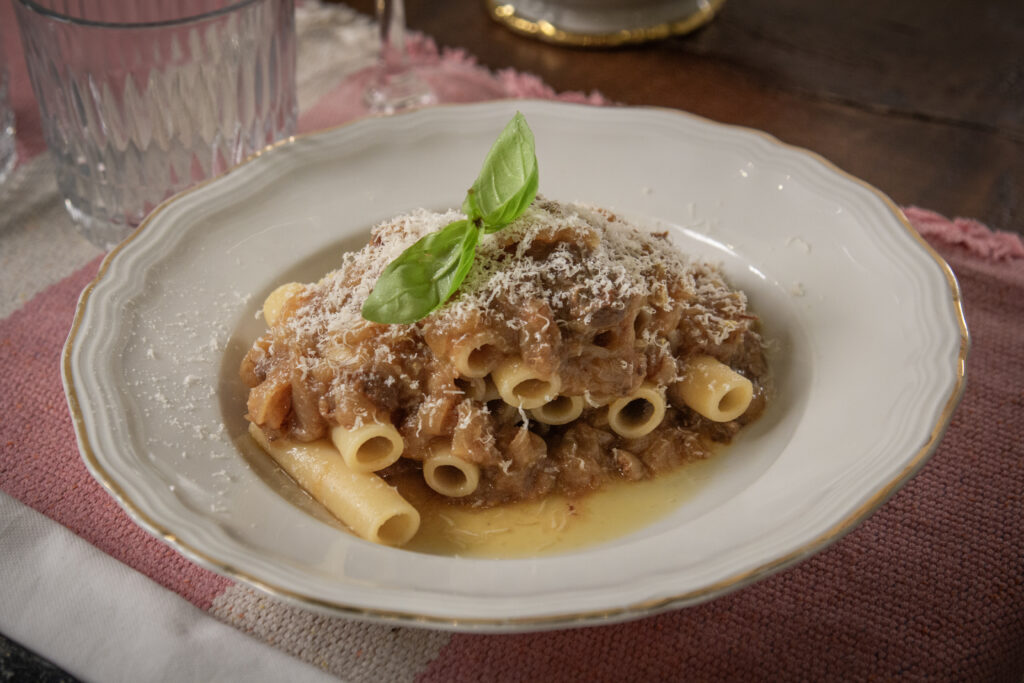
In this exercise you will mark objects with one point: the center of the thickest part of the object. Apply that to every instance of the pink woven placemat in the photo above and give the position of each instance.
(930, 587)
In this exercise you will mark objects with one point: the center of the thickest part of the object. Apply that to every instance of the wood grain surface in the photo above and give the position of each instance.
(923, 99)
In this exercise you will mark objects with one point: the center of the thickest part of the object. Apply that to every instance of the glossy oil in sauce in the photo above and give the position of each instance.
(555, 524)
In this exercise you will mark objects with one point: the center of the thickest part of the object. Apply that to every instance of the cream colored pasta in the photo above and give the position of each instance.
(369, 447)
(714, 390)
(476, 355)
(639, 413)
(562, 410)
(275, 302)
(450, 475)
(363, 501)
(522, 387)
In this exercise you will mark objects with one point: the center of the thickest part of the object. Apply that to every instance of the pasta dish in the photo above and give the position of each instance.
(578, 349)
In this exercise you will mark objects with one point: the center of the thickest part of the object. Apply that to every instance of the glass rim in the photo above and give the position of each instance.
(35, 7)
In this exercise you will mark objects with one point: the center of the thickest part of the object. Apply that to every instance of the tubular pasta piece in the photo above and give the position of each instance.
(559, 411)
(362, 500)
(369, 447)
(476, 355)
(714, 390)
(639, 413)
(521, 386)
(274, 303)
(450, 475)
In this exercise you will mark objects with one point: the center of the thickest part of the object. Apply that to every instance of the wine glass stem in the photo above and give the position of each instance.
(391, 21)
(396, 85)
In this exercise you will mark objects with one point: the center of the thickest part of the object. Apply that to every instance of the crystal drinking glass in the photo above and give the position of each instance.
(140, 100)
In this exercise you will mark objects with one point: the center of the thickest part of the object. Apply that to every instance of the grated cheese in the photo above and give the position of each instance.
(618, 268)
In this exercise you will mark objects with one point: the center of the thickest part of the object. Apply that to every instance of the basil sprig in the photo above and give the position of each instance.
(426, 274)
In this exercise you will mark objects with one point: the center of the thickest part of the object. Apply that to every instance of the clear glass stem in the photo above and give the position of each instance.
(395, 85)
(391, 23)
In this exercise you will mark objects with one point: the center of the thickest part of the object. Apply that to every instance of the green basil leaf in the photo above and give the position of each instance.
(526, 198)
(424, 276)
(508, 181)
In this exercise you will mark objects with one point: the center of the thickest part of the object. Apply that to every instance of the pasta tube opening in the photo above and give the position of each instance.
(735, 401)
(715, 390)
(604, 339)
(370, 447)
(478, 361)
(450, 475)
(559, 411)
(520, 386)
(398, 529)
(638, 414)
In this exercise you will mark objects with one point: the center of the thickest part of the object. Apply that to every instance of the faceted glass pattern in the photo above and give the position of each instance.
(141, 100)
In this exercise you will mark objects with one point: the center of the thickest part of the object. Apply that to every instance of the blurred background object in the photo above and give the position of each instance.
(395, 85)
(603, 23)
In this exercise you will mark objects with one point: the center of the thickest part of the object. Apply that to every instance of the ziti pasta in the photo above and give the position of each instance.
(577, 350)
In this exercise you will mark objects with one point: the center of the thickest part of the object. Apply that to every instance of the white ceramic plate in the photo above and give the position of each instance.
(869, 345)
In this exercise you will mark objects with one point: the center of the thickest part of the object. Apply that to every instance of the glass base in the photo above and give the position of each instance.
(389, 93)
(100, 232)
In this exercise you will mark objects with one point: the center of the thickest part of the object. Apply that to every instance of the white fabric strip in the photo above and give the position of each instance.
(102, 621)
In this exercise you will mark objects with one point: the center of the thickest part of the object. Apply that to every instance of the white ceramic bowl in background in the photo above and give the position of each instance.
(868, 351)
(602, 23)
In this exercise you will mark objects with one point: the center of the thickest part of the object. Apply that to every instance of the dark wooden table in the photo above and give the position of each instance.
(923, 99)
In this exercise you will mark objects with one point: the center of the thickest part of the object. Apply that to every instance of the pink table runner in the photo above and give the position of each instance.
(931, 586)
